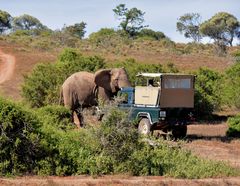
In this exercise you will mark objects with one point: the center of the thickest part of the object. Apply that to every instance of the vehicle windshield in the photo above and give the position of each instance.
(148, 81)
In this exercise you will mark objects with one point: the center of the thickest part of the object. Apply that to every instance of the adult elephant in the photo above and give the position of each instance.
(84, 89)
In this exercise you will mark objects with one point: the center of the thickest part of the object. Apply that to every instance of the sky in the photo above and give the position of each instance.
(160, 15)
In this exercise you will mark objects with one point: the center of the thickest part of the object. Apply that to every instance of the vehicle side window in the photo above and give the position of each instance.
(177, 83)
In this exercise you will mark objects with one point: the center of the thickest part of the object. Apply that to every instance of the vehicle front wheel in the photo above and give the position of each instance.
(144, 126)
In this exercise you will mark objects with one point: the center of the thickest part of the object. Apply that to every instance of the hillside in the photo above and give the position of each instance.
(186, 57)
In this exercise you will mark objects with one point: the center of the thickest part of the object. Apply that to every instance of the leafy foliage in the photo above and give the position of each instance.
(232, 86)
(76, 30)
(5, 21)
(131, 19)
(208, 91)
(19, 138)
(222, 28)
(148, 33)
(43, 142)
(189, 24)
(26, 22)
(234, 126)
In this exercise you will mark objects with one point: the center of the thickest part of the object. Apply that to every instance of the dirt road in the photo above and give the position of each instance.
(116, 181)
(7, 66)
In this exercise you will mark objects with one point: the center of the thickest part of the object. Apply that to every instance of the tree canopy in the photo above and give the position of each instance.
(222, 28)
(188, 24)
(5, 21)
(27, 22)
(77, 30)
(131, 19)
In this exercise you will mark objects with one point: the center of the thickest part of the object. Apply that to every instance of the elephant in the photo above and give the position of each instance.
(84, 89)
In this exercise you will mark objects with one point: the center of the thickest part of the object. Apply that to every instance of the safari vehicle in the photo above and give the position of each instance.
(165, 103)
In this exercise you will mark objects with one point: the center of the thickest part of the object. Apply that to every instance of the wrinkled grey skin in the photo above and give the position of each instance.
(84, 89)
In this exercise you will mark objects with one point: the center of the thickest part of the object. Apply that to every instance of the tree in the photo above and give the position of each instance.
(77, 30)
(188, 24)
(222, 28)
(156, 35)
(27, 22)
(5, 21)
(131, 20)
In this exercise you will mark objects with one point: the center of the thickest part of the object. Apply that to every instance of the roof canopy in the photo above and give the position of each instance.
(154, 75)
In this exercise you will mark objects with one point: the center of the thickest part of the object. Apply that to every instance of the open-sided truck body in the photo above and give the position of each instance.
(165, 105)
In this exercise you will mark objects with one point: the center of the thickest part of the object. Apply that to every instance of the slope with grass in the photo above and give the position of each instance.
(186, 57)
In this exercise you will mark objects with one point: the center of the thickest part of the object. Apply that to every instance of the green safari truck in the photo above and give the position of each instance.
(164, 103)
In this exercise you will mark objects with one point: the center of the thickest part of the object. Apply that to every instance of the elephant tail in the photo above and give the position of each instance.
(61, 101)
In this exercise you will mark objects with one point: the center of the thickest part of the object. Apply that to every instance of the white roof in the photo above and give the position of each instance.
(154, 75)
(149, 74)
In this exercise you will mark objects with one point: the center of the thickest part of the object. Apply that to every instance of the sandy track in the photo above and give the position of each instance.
(7, 66)
(116, 181)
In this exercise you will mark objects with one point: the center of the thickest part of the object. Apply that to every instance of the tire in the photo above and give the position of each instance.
(179, 132)
(144, 126)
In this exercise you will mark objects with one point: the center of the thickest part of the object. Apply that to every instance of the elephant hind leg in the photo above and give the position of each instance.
(78, 118)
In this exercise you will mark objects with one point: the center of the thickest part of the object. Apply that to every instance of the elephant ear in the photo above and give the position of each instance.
(103, 78)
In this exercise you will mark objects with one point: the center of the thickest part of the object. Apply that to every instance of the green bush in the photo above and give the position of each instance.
(234, 126)
(208, 97)
(42, 86)
(232, 86)
(19, 139)
(43, 142)
(108, 39)
(62, 145)
(56, 115)
(151, 34)
(174, 162)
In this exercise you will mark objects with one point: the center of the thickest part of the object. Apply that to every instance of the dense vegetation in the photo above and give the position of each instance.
(234, 126)
(43, 142)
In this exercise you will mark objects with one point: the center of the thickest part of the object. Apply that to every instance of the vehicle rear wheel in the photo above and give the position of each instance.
(179, 131)
(144, 126)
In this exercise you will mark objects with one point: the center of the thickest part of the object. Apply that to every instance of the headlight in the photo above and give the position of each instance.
(162, 114)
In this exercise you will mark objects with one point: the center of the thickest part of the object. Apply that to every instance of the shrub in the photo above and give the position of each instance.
(56, 115)
(44, 143)
(236, 55)
(40, 83)
(175, 162)
(69, 55)
(234, 126)
(19, 139)
(148, 33)
(208, 91)
(118, 136)
(232, 86)
(66, 150)
(106, 38)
